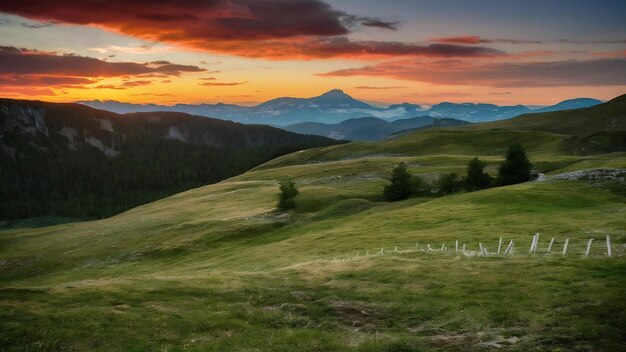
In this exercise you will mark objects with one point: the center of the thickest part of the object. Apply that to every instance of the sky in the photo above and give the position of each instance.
(249, 51)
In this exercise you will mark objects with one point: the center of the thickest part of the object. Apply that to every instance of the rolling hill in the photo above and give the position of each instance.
(218, 268)
(74, 161)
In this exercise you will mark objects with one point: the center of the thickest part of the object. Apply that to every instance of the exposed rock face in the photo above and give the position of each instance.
(592, 175)
(24, 119)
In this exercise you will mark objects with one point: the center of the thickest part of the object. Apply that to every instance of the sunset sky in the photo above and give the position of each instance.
(249, 51)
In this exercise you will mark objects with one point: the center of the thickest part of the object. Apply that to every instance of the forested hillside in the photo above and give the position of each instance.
(74, 161)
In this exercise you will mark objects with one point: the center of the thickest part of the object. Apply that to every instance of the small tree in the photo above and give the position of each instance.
(515, 168)
(288, 192)
(476, 177)
(402, 185)
(449, 183)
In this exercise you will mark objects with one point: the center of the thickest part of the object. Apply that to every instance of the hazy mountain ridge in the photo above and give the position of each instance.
(336, 106)
(369, 128)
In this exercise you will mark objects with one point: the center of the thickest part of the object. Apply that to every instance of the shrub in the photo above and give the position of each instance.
(449, 183)
(476, 177)
(515, 168)
(288, 192)
(402, 184)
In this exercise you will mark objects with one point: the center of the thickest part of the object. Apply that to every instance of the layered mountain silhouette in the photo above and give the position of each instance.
(369, 128)
(336, 106)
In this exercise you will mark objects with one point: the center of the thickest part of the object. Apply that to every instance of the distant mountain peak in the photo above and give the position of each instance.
(335, 93)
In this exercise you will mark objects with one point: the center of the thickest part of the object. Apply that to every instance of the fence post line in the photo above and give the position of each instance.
(456, 246)
(608, 245)
(482, 249)
(536, 243)
(588, 247)
(565, 246)
(550, 245)
(499, 245)
(532, 244)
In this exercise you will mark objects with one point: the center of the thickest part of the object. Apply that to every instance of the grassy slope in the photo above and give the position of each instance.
(215, 268)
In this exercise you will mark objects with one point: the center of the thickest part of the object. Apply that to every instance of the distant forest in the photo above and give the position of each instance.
(46, 175)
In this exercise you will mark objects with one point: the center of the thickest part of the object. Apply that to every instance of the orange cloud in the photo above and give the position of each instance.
(222, 83)
(21, 68)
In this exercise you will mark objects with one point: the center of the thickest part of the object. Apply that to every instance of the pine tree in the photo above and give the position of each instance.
(401, 186)
(288, 192)
(476, 177)
(516, 168)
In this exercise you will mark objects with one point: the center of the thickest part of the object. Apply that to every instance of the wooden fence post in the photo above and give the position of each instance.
(550, 245)
(565, 246)
(499, 245)
(608, 245)
(456, 246)
(482, 249)
(509, 248)
(443, 245)
(588, 247)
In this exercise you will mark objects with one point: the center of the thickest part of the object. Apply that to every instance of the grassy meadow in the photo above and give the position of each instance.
(219, 268)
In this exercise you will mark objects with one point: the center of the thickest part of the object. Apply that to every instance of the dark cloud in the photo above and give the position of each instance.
(599, 72)
(36, 25)
(475, 39)
(193, 20)
(47, 81)
(282, 28)
(29, 62)
(345, 47)
(136, 83)
(375, 22)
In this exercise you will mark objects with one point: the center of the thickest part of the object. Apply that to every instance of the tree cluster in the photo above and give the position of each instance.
(514, 169)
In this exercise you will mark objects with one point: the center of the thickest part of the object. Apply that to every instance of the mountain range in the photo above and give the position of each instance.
(336, 106)
(370, 128)
(75, 161)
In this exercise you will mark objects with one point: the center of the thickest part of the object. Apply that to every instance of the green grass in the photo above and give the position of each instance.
(218, 268)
